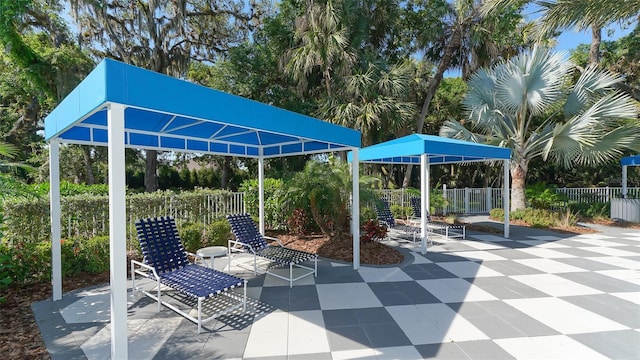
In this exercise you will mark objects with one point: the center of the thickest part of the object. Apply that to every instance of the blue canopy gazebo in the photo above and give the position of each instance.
(119, 105)
(426, 150)
(625, 162)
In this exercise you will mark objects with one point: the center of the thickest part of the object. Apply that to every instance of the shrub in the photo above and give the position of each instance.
(274, 216)
(366, 214)
(543, 196)
(298, 222)
(400, 212)
(96, 253)
(191, 236)
(371, 231)
(217, 233)
(5, 270)
(602, 210)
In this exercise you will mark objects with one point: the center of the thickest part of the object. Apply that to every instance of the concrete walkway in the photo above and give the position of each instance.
(537, 295)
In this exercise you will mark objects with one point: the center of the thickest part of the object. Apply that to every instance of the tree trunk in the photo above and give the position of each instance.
(226, 172)
(518, 177)
(594, 49)
(150, 173)
(432, 87)
(88, 164)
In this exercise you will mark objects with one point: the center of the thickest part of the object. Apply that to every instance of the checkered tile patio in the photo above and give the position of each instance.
(540, 295)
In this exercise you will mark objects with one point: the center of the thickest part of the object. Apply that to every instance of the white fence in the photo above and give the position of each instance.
(482, 200)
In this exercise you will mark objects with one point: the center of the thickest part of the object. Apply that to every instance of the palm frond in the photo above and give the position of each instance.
(592, 84)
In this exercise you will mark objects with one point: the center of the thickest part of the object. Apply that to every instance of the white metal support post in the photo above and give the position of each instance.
(55, 210)
(117, 231)
(355, 207)
(261, 191)
(424, 201)
(506, 198)
(624, 181)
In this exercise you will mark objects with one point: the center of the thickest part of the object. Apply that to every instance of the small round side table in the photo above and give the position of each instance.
(210, 253)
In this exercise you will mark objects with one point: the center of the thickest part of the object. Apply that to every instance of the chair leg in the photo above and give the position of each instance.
(290, 275)
(159, 294)
(199, 315)
(244, 298)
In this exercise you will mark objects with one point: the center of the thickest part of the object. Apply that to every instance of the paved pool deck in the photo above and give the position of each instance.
(536, 295)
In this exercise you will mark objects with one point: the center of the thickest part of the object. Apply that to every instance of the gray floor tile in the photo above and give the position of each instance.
(385, 335)
(402, 293)
(438, 257)
(347, 338)
(623, 344)
(504, 287)
(443, 351)
(587, 264)
(580, 252)
(499, 320)
(612, 307)
(601, 282)
(510, 268)
(513, 254)
(74, 354)
(368, 316)
(341, 317)
(338, 275)
(427, 271)
(316, 356)
(484, 350)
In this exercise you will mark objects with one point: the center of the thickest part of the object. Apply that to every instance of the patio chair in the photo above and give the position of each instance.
(395, 231)
(448, 230)
(166, 262)
(250, 240)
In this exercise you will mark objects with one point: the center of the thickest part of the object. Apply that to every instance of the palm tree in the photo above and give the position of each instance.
(529, 105)
(456, 33)
(374, 100)
(323, 45)
(580, 15)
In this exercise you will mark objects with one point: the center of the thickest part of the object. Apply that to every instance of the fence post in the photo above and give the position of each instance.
(466, 200)
(444, 196)
(488, 196)
(608, 194)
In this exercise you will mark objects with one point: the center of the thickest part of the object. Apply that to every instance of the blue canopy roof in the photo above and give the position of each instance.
(165, 113)
(630, 160)
(440, 150)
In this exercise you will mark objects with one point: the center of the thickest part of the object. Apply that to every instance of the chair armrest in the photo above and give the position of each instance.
(242, 245)
(145, 266)
(274, 239)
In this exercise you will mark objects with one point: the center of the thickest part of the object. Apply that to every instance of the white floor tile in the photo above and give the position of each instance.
(398, 352)
(479, 255)
(307, 334)
(390, 274)
(491, 238)
(433, 323)
(468, 269)
(269, 336)
(544, 237)
(548, 347)
(555, 285)
(549, 266)
(631, 276)
(629, 296)
(618, 261)
(599, 242)
(543, 244)
(455, 290)
(546, 253)
(361, 354)
(346, 296)
(419, 259)
(563, 316)
(611, 251)
(481, 245)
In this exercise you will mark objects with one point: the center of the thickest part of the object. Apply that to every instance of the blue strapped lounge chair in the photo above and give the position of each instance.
(396, 231)
(166, 262)
(249, 240)
(448, 230)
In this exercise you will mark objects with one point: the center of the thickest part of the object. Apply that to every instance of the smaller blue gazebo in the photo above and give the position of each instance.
(627, 161)
(429, 149)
